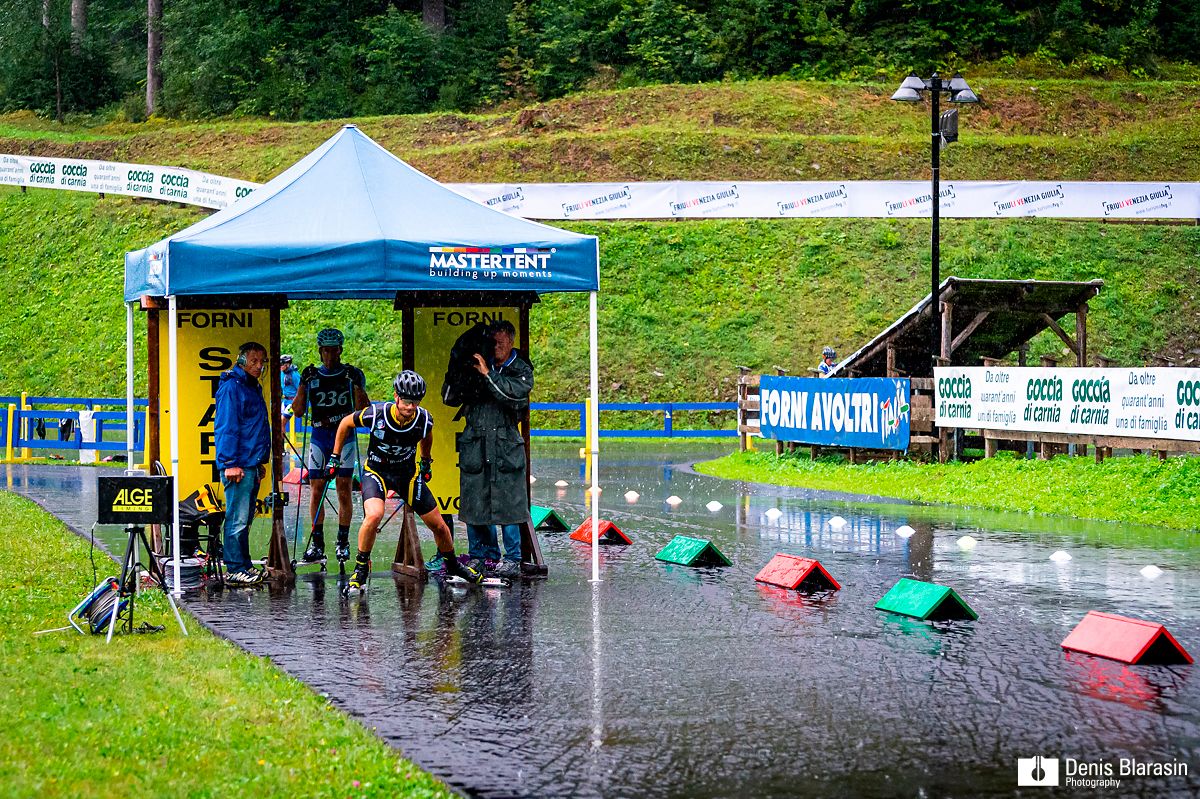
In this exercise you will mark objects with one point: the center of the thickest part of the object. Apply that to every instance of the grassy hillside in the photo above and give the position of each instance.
(682, 303)
(758, 130)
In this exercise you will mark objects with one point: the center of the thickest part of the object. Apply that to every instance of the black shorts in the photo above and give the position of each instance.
(409, 488)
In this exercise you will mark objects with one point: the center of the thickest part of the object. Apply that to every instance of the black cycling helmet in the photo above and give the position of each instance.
(330, 337)
(409, 385)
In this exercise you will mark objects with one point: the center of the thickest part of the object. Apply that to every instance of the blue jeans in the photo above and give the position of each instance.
(239, 513)
(481, 541)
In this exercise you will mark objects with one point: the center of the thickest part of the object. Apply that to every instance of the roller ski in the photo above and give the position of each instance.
(315, 554)
(459, 575)
(360, 579)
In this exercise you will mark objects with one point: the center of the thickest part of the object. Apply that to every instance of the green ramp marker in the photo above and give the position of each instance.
(547, 519)
(687, 551)
(925, 601)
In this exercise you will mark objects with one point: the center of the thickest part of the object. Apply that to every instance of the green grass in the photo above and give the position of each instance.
(157, 715)
(1137, 490)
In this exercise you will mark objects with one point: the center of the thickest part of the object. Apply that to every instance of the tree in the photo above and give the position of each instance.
(154, 43)
(433, 14)
(79, 12)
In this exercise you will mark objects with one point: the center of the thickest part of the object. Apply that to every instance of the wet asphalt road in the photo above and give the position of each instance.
(669, 681)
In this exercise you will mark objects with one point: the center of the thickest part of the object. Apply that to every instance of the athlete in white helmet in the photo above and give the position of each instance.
(399, 430)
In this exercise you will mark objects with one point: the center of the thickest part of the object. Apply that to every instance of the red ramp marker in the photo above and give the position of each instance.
(609, 533)
(295, 477)
(797, 573)
(1128, 640)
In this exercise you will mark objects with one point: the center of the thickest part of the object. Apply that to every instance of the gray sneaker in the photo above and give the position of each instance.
(243, 577)
(508, 569)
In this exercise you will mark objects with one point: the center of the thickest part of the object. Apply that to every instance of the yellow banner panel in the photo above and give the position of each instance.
(434, 332)
(208, 345)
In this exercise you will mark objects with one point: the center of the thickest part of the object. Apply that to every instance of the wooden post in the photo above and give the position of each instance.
(1081, 334)
(408, 560)
(1081, 355)
(943, 432)
(153, 409)
(743, 393)
(154, 406)
(947, 330)
(891, 361)
(279, 564)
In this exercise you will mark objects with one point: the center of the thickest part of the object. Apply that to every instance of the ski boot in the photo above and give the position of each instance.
(343, 549)
(467, 574)
(316, 550)
(360, 578)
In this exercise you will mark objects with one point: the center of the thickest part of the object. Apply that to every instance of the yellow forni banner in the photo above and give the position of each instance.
(434, 332)
(208, 345)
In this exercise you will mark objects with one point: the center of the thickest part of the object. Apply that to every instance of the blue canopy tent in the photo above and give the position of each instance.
(352, 221)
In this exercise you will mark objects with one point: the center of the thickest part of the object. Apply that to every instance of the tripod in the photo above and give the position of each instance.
(129, 575)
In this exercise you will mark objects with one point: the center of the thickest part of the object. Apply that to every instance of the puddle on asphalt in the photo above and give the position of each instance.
(668, 681)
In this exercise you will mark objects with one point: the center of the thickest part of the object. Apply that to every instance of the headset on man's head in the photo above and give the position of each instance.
(246, 349)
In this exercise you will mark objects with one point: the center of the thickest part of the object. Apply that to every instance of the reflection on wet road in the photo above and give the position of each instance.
(669, 681)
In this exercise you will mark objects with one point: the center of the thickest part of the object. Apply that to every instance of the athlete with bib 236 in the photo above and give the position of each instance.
(398, 430)
(331, 392)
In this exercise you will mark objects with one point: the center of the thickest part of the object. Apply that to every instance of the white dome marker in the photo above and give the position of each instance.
(673, 500)
(714, 506)
(562, 484)
(532, 479)
(632, 497)
(967, 543)
(773, 513)
(1060, 556)
(904, 531)
(1152, 572)
(837, 523)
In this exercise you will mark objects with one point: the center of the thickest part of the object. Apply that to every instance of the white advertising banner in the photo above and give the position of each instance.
(167, 183)
(770, 200)
(671, 199)
(1162, 403)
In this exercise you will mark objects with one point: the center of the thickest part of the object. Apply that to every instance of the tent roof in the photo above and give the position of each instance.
(353, 221)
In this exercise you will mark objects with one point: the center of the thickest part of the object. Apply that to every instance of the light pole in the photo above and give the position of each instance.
(943, 129)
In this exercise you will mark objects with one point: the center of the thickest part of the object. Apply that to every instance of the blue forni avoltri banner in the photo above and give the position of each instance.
(868, 412)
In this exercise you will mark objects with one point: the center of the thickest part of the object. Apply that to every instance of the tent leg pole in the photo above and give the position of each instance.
(594, 432)
(129, 388)
(173, 388)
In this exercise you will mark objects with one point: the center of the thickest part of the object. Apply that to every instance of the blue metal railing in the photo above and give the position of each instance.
(667, 409)
(113, 421)
(25, 424)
